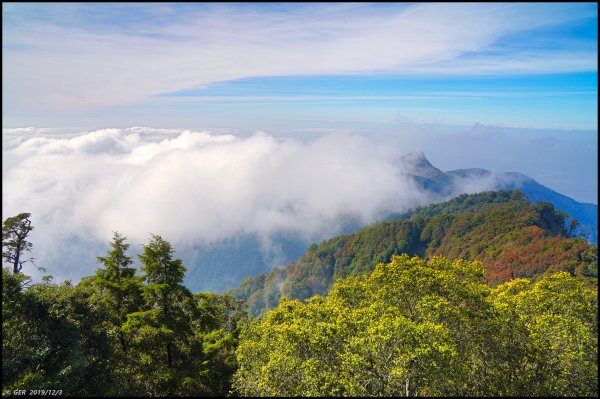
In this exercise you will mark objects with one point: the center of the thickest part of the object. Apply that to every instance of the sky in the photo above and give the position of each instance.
(242, 65)
(206, 120)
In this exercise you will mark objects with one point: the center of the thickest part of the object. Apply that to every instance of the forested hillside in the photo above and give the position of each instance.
(512, 237)
(224, 264)
(445, 185)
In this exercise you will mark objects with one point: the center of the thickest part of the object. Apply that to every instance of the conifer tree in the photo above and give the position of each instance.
(164, 276)
(119, 287)
(163, 341)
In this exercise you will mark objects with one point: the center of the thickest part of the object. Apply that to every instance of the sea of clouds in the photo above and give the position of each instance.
(190, 187)
(201, 189)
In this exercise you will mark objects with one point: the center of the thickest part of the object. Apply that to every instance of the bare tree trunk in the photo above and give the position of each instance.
(169, 355)
(123, 344)
(17, 265)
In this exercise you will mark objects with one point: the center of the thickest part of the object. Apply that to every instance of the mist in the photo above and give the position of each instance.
(191, 187)
(210, 191)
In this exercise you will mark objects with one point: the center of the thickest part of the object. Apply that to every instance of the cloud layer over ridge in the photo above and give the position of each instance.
(192, 187)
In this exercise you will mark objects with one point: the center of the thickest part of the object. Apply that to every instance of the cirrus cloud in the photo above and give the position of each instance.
(89, 57)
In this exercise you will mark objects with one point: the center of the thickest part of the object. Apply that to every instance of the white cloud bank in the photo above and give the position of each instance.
(201, 187)
(190, 187)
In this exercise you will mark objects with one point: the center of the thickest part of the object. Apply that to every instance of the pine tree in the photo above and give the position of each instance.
(163, 341)
(164, 276)
(119, 287)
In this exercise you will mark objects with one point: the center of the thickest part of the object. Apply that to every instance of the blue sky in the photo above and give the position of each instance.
(290, 68)
(525, 65)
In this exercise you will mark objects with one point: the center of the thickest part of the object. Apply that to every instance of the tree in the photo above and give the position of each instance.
(573, 225)
(218, 324)
(164, 276)
(118, 287)
(162, 339)
(551, 220)
(14, 240)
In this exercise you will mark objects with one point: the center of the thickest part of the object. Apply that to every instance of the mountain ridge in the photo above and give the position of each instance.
(246, 256)
(511, 236)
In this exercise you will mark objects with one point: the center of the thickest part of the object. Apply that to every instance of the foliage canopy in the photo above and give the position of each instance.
(417, 328)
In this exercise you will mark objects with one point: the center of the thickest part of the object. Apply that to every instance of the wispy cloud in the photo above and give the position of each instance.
(90, 56)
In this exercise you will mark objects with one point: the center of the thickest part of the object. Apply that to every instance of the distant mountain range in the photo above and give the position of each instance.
(225, 264)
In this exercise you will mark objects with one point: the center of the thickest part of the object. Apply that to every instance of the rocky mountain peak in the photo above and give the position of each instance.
(417, 164)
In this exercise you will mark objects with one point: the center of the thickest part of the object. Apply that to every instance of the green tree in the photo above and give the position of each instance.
(218, 324)
(163, 342)
(15, 230)
(116, 292)
(551, 220)
(119, 288)
(164, 290)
